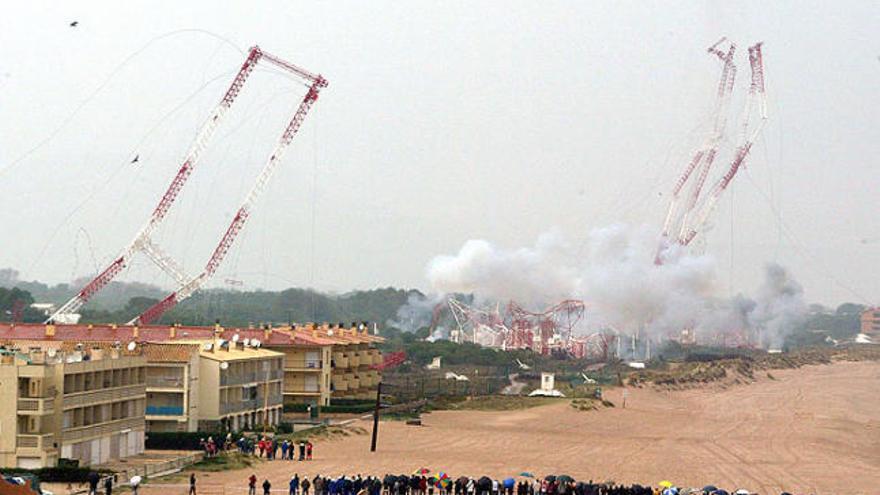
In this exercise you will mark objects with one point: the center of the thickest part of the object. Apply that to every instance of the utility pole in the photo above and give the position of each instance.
(376, 417)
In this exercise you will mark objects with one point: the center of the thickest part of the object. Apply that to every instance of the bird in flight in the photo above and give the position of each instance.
(74, 24)
(136, 158)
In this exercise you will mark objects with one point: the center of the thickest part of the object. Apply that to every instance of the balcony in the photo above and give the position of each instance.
(106, 395)
(164, 410)
(169, 382)
(39, 441)
(36, 406)
(303, 364)
(77, 433)
(243, 378)
(354, 359)
(339, 385)
(340, 360)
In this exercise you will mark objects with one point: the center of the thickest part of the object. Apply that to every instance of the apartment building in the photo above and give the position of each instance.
(353, 356)
(307, 366)
(173, 390)
(311, 364)
(240, 387)
(74, 402)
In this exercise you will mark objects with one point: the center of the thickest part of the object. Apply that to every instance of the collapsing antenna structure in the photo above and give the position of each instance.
(143, 242)
(684, 221)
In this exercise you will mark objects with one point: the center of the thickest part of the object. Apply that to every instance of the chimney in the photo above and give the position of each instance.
(50, 331)
(89, 327)
(113, 326)
(266, 334)
(172, 332)
(134, 332)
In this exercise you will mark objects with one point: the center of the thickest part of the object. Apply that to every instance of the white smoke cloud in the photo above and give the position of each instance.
(620, 282)
(779, 306)
(532, 276)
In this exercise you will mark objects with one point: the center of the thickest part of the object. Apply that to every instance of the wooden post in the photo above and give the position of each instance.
(376, 417)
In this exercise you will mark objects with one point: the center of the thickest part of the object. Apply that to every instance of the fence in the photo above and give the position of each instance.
(163, 467)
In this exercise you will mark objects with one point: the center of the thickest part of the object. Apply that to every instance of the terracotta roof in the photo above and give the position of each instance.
(90, 333)
(238, 354)
(169, 353)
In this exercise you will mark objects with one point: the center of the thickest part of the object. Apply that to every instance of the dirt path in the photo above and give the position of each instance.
(515, 387)
(816, 430)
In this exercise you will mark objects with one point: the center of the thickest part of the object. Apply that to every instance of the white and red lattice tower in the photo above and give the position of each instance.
(143, 241)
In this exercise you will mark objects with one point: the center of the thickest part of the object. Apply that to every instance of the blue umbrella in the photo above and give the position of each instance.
(527, 474)
(509, 482)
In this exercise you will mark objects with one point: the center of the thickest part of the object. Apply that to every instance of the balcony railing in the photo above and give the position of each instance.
(241, 379)
(164, 410)
(165, 381)
(103, 429)
(107, 395)
(311, 364)
(42, 441)
(36, 406)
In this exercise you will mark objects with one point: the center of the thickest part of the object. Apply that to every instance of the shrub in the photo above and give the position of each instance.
(67, 474)
(179, 440)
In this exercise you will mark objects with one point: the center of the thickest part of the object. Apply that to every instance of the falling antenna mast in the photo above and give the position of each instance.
(143, 242)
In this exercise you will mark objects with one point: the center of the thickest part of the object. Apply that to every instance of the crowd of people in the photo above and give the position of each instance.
(264, 447)
(442, 484)
(270, 448)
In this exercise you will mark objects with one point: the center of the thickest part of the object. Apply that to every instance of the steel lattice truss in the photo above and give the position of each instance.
(690, 204)
(143, 242)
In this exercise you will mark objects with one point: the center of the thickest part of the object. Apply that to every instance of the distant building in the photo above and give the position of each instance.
(870, 323)
(61, 402)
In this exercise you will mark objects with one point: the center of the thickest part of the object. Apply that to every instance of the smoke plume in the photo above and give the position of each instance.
(617, 274)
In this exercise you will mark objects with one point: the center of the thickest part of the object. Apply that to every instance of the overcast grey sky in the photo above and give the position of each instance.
(444, 121)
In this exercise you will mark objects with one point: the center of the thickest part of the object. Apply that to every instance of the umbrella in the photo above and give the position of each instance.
(422, 471)
(710, 488)
(509, 482)
(550, 478)
(665, 484)
(720, 492)
(527, 474)
(135, 481)
(670, 491)
(564, 478)
(742, 491)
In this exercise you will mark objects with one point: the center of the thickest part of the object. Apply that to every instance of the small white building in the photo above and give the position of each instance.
(548, 387)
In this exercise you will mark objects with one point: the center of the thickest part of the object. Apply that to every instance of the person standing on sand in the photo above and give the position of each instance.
(252, 485)
(267, 487)
(93, 483)
(309, 448)
(192, 484)
(305, 486)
